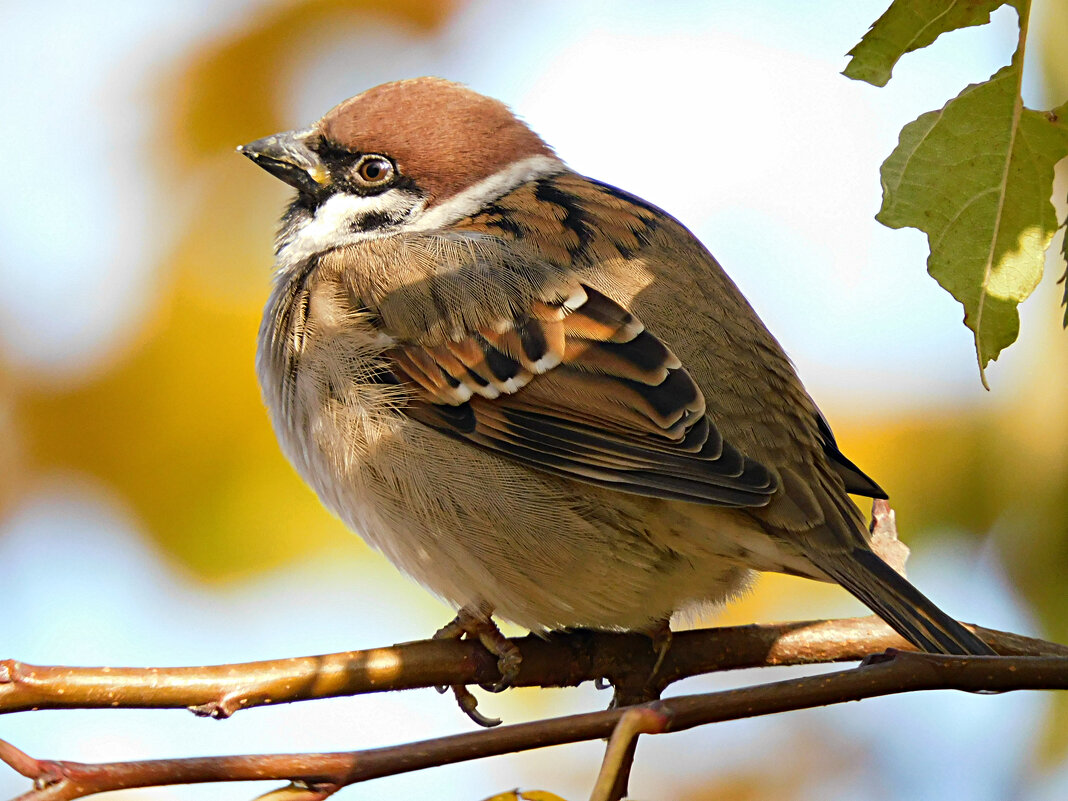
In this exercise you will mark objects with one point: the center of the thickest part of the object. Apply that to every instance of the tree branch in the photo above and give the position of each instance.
(560, 660)
(323, 773)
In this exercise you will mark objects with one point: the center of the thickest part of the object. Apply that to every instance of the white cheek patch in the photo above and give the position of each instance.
(344, 219)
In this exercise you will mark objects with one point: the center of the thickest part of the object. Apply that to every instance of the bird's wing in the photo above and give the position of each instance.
(570, 382)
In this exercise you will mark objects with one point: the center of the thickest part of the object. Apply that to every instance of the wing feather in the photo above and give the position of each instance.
(578, 387)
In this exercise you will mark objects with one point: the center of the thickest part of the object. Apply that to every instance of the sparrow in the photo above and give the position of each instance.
(538, 395)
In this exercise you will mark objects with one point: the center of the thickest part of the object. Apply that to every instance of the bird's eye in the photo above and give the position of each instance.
(374, 170)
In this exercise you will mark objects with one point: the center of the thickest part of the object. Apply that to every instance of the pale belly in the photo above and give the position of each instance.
(542, 551)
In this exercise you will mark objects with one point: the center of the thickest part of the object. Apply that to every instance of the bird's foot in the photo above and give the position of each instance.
(476, 623)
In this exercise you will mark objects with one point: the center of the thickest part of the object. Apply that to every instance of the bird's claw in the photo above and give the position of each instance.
(469, 706)
(508, 664)
(476, 622)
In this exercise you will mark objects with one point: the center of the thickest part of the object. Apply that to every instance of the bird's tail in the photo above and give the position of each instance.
(907, 610)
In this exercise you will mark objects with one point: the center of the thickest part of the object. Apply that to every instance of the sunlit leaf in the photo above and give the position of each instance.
(909, 25)
(977, 177)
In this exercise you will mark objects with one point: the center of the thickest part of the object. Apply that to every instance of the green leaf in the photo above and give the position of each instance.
(909, 25)
(977, 178)
(1064, 278)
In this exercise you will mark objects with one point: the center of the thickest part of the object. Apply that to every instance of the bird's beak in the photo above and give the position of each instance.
(287, 156)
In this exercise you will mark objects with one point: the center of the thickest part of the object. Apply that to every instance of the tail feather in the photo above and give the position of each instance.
(907, 610)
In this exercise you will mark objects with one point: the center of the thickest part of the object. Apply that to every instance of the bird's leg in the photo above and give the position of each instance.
(660, 634)
(634, 688)
(477, 622)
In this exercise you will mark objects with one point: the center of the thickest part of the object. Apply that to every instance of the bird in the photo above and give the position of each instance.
(537, 394)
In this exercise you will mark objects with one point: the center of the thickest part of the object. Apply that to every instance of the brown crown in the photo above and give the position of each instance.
(443, 135)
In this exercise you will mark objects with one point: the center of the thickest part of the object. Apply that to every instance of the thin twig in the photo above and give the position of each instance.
(619, 754)
(899, 672)
(561, 660)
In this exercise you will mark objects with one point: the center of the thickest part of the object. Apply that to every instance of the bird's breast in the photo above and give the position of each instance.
(324, 379)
